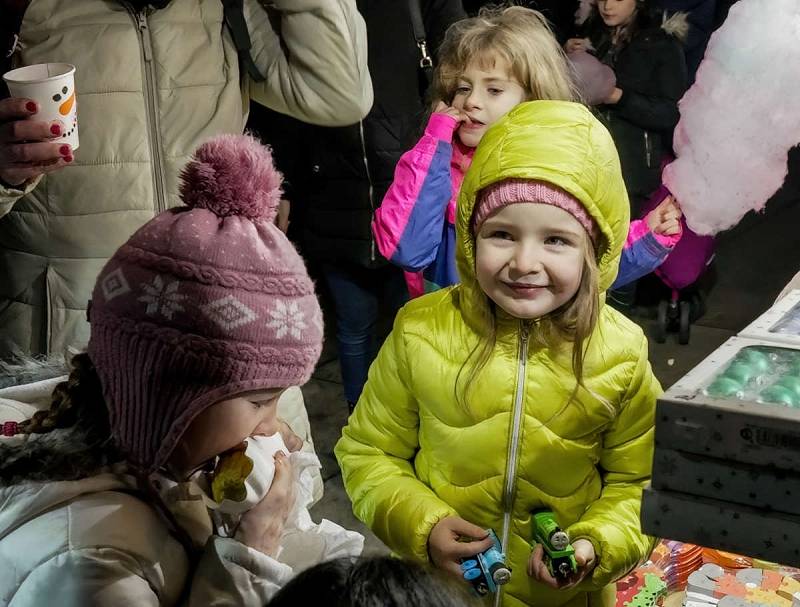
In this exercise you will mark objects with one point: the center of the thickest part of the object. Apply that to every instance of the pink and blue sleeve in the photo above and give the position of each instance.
(644, 251)
(409, 224)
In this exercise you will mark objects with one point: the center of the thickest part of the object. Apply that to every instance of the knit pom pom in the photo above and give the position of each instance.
(233, 175)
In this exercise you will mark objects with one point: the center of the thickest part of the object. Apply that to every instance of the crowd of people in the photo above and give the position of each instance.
(448, 168)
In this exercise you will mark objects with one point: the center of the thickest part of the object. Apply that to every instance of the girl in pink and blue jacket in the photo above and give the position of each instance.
(488, 65)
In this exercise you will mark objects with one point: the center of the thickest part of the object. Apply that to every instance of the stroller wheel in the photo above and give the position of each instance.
(685, 323)
(662, 320)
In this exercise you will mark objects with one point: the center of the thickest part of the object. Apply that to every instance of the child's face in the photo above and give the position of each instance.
(616, 12)
(486, 92)
(529, 258)
(223, 426)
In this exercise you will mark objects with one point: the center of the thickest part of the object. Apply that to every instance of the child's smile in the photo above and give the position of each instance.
(529, 258)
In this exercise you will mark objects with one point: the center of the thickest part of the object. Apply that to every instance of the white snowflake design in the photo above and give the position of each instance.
(287, 319)
(161, 298)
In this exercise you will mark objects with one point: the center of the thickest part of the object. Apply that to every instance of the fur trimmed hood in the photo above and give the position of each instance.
(676, 25)
(29, 370)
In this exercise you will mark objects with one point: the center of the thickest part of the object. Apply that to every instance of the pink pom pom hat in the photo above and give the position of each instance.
(202, 303)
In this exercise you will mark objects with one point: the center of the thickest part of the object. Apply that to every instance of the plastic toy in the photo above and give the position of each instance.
(488, 569)
(559, 555)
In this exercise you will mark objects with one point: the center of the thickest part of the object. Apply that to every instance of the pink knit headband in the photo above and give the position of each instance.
(513, 191)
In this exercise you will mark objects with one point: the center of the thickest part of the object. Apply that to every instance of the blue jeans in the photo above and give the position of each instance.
(358, 294)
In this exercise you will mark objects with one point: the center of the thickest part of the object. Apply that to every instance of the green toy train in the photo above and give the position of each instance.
(559, 555)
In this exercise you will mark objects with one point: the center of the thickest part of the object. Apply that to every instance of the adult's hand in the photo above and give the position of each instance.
(27, 148)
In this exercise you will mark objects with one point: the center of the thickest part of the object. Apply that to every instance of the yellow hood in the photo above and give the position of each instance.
(559, 142)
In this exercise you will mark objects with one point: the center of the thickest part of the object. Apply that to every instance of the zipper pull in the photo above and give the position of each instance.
(141, 20)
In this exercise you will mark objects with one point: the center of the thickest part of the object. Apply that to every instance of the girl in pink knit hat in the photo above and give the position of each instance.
(199, 322)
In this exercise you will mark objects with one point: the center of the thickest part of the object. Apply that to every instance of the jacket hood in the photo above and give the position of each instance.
(559, 142)
(677, 25)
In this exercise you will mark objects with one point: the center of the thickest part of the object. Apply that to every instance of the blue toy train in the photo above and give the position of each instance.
(487, 570)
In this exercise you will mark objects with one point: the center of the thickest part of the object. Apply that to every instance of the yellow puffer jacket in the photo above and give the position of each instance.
(411, 456)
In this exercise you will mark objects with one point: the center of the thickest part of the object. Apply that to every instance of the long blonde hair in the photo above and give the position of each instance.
(521, 37)
(574, 322)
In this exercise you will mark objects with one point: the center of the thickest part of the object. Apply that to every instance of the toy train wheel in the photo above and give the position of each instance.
(501, 575)
(685, 326)
(662, 320)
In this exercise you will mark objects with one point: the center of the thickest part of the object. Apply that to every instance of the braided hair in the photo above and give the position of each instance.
(68, 441)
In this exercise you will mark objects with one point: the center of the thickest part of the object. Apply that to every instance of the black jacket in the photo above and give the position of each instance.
(338, 176)
(651, 71)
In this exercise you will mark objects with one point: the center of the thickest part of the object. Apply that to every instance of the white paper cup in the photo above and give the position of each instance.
(52, 86)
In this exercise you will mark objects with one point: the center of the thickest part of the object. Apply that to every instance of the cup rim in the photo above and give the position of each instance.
(66, 69)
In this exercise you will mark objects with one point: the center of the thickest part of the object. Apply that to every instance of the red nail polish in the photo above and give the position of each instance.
(67, 158)
(65, 151)
(55, 129)
(30, 106)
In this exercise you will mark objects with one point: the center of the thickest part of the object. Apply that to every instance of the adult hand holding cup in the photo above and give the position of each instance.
(39, 122)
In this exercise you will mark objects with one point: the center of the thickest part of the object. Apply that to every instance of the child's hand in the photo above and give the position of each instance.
(576, 44)
(290, 439)
(584, 555)
(448, 110)
(445, 548)
(665, 219)
(261, 527)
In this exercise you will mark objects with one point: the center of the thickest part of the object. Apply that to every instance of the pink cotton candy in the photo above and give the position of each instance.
(740, 118)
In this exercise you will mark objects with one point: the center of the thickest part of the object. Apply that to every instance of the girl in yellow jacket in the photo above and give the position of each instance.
(518, 389)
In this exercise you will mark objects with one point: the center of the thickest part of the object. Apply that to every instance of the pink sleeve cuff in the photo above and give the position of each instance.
(441, 126)
(639, 229)
(669, 241)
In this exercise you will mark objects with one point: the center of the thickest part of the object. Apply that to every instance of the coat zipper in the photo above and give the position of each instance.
(151, 102)
(648, 152)
(372, 255)
(50, 311)
(516, 428)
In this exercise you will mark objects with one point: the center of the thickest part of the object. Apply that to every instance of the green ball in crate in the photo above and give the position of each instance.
(741, 372)
(758, 360)
(791, 382)
(780, 395)
(725, 387)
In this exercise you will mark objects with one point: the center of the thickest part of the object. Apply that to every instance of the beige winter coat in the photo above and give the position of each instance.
(150, 88)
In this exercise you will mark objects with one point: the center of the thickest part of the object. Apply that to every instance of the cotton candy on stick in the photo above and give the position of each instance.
(740, 118)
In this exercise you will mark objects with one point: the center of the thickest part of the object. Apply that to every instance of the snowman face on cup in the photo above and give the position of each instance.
(52, 87)
(64, 99)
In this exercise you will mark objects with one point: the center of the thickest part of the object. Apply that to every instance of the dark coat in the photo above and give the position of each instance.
(651, 71)
(338, 176)
(700, 14)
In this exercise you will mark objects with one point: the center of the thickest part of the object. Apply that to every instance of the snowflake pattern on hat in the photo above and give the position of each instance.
(287, 318)
(228, 312)
(161, 298)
